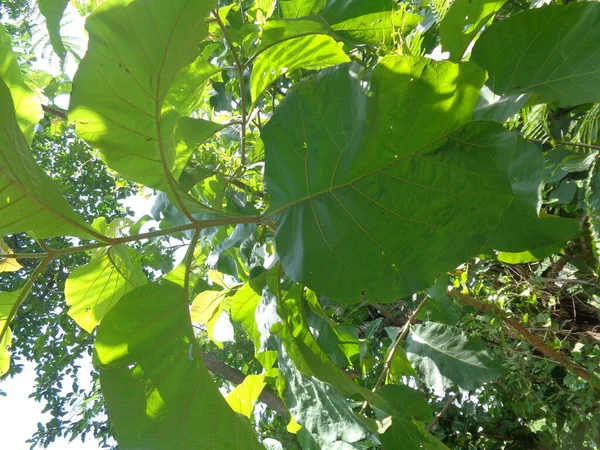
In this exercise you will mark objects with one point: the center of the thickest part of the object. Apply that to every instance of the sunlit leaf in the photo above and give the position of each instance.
(245, 395)
(463, 21)
(374, 22)
(306, 52)
(7, 264)
(29, 199)
(158, 391)
(206, 304)
(27, 105)
(135, 53)
(8, 301)
(92, 290)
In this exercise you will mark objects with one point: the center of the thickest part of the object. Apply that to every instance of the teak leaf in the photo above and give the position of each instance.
(26, 102)
(135, 53)
(92, 290)
(29, 199)
(551, 51)
(158, 391)
(447, 357)
(340, 163)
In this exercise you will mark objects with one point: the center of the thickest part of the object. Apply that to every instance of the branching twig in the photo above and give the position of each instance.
(538, 343)
(442, 413)
(387, 365)
(240, 72)
(574, 144)
(198, 225)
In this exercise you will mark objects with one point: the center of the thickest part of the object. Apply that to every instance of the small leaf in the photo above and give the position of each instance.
(206, 304)
(7, 264)
(308, 52)
(447, 357)
(245, 395)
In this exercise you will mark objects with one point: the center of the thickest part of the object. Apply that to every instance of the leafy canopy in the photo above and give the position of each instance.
(330, 184)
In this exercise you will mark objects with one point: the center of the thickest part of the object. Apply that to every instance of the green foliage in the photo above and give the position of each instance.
(332, 185)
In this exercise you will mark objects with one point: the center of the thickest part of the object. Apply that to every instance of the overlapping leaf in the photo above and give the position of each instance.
(92, 290)
(447, 357)
(307, 52)
(463, 21)
(8, 300)
(29, 199)
(341, 163)
(135, 53)
(320, 409)
(158, 392)
(53, 11)
(26, 102)
(551, 51)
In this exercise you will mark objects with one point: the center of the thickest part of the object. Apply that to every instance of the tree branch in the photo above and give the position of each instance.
(538, 343)
(198, 225)
(442, 413)
(55, 112)
(236, 376)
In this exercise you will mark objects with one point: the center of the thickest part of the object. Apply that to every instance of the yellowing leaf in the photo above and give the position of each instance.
(8, 300)
(205, 305)
(7, 264)
(243, 398)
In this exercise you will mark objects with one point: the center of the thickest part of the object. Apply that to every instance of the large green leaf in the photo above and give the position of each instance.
(92, 290)
(135, 53)
(26, 102)
(53, 11)
(158, 391)
(306, 52)
(29, 199)
(463, 21)
(8, 300)
(341, 163)
(551, 51)
(447, 357)
(320, 409)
